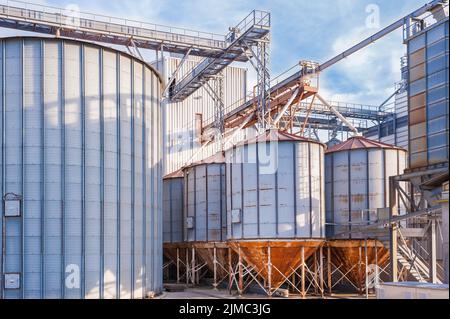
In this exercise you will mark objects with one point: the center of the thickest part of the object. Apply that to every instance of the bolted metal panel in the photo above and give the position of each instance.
(81, 144)
(204, 199)
(279, 200)
(357, 182)
(173, 210)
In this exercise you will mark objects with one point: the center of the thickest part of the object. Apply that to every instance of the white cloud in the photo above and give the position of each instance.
(369, 75)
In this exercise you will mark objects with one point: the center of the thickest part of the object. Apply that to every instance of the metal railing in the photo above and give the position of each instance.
(256, 18)
(78, 20)
(419, 25)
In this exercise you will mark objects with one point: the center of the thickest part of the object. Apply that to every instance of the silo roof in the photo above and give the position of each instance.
(176, 174)
(277, 136)
(218, 158)
(359, 142)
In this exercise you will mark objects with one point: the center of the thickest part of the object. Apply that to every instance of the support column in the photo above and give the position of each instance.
(366, 268)
(315, 273)
(330, 284)
(432, 250)
(241, 274)
(187, 266)
(215, 268)
(377, 274)
(269, 268)
(178, 265)
(393, 235)
(321, 270)
(359, 269)
(230, 271)
(193, 266)
(303, 272)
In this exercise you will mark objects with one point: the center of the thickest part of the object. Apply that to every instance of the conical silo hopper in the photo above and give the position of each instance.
(351, 259)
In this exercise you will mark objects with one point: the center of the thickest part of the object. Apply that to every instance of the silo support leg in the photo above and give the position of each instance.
(178, 265)
(269, 269)
(215, 268)
(230, 272)
(187, 266)
(241, 274)
(321, 270)
(303, 272)
(360, 290)
(330, 284)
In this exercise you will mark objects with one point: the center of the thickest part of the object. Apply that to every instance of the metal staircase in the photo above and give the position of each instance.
(249, 32)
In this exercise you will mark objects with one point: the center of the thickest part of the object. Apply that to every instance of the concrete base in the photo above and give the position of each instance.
(411, 290)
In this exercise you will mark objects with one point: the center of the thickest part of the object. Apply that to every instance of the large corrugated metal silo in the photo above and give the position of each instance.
(275, 201)
(81, 145)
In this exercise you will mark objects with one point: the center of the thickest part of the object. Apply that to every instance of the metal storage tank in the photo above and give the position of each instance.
(81, 148)
(357, 175)
(275, 185)
(173, 186)
(275, 204)
(204, 200)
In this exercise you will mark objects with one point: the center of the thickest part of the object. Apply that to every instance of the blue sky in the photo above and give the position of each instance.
(301, 29)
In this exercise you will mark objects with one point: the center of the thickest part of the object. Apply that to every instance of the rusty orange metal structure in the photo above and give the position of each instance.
(274, 263)
(354, 261)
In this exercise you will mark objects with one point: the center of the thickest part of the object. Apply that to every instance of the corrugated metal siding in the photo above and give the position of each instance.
(181, 139)
(280, 200)
(204, 196)
(86, 166)
(173, 209)
(357, 181)
(428, 97)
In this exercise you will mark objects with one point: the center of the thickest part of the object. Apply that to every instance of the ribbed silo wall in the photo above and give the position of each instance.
(277, 190)
(173, 209)
(81, 130)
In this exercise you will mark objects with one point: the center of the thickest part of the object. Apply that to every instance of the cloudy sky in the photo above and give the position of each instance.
(301, 29)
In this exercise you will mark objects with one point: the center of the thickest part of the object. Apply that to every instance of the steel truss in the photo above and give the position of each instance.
(419, 191)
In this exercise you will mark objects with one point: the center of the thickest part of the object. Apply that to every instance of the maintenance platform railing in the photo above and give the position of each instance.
(95, 27)
(251, 29)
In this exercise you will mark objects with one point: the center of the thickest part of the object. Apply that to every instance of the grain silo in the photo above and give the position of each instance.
(357, 175)
(81, 173)
(205, 212)
(275, 203)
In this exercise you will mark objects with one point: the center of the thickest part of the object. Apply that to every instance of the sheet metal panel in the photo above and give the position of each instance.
(203, 198)
(91, 182)
(358, 181)
(281, 200)
(173, 210)
(181, 142)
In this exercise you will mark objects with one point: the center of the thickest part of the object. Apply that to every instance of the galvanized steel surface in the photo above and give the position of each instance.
(204, 203)
(81, 130)
(357, 182)
(428, 57)
(275, 190)
(183, 139)
(173, 209)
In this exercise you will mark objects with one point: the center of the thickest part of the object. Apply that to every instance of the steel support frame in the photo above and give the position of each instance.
(336, 275)
(260, 59)
(416, 200)
(306, 278)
